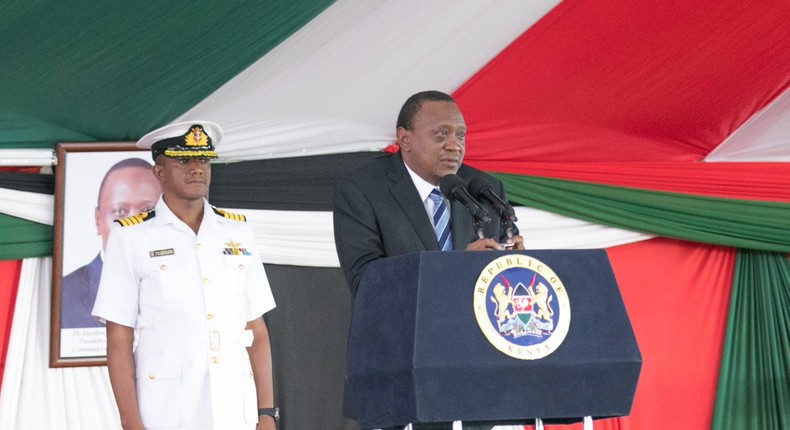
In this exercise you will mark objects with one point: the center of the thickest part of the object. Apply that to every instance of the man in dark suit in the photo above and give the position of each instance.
(128, 188)
(381, 209)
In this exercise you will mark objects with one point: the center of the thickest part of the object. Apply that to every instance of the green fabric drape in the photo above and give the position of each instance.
(20, 238)
(112, 71)
(728, 222)
(754, 381)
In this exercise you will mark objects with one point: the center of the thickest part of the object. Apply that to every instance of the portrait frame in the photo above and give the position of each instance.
(80, 170)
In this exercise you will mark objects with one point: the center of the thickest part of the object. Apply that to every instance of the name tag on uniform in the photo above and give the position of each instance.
(161, 252)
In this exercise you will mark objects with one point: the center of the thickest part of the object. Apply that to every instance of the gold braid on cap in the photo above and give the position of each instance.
(178, 154)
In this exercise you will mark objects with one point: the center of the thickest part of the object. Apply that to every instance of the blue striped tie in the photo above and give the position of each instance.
(441, 221)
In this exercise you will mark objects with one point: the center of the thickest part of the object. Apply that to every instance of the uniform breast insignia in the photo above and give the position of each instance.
(234, 248)
(229, 215)
(522, 307)
(136, 219)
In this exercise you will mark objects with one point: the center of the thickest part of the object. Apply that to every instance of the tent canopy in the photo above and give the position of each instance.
(589, 81)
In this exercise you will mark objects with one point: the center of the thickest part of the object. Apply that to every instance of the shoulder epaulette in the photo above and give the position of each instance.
(136, 219)
(230, 215)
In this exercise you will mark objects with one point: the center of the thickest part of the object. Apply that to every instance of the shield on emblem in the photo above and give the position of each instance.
(522, 303)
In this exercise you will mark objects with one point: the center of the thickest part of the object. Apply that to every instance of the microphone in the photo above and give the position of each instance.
(482, 189)
(454, 188)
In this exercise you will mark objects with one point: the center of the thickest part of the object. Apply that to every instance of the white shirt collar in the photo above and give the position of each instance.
(164, 215)
(424, 187)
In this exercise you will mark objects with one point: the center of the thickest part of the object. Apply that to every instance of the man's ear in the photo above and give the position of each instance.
(404, 139)
(159, 173)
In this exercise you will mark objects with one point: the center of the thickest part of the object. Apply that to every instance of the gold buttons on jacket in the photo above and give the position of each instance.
(205, 281)
(163, 267)
(214, 360)
(199, 246)
(152, 376)
(210, 317)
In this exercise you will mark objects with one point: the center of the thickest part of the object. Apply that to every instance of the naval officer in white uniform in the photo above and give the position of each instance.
(182, 293)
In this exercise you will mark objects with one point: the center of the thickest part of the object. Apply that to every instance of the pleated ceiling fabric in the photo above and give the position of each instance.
(609, 80)
(336, 86)
(112, 71)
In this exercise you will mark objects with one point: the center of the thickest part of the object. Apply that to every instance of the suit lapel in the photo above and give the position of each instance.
(405, 194)
(462, 226)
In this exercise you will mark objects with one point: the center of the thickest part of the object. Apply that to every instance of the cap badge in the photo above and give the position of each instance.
(196, 137)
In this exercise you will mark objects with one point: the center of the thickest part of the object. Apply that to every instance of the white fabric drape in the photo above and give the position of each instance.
(764, 137)
(336, 85)
(34, 396)
(306, 238)
(34, 207)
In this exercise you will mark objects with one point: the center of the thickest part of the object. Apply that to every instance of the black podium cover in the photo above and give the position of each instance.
(416, 353)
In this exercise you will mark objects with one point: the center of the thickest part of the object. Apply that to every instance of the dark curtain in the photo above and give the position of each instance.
(309, 332)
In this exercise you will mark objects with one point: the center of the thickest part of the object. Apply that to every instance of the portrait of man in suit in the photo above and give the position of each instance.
(128, 188)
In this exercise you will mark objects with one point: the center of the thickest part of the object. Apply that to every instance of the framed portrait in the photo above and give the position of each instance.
(95, 183)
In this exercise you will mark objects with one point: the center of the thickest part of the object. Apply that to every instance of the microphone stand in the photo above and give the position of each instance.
(508, 225)
(479, 229)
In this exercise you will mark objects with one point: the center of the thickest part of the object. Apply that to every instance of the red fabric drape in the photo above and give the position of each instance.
(608, 80)
(9, 284)
(677, 294)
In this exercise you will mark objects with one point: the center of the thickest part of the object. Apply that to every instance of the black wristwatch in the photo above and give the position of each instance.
(272, 412)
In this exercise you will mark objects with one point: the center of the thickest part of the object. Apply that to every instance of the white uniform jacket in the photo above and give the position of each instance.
(188, 296)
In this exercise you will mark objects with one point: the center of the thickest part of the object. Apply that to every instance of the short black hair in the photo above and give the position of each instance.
(126, 162)
(413, 105)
